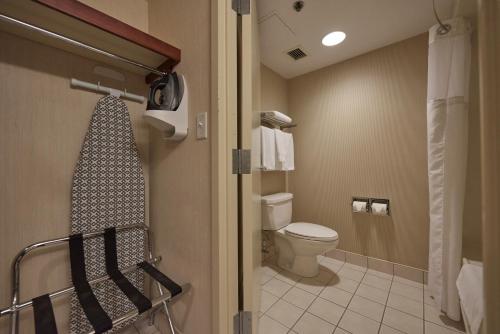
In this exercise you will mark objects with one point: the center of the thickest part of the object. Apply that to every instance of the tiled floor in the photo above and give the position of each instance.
(140, 327)
(346, 298)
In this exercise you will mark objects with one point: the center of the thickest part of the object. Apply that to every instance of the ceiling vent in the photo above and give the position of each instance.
(297, 53)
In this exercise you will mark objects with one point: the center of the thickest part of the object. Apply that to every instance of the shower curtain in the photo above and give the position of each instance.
(447, 108)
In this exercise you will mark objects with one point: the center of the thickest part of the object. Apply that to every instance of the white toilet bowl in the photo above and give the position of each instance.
(298, 253)
(297, 244)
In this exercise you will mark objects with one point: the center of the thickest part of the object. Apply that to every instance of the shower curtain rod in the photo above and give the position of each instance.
(82, 45)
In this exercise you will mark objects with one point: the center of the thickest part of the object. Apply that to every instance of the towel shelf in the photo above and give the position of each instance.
(269, 120)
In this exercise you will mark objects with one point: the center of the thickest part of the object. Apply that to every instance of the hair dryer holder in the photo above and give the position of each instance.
(174, 123)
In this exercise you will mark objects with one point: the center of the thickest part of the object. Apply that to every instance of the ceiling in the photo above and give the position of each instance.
(369, 25)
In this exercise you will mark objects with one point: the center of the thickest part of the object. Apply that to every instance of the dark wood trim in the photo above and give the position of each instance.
(113, 26)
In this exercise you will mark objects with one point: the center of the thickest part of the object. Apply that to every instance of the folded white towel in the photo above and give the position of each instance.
(278, 115)
(470, 290)
(284, 150)
(268, 148)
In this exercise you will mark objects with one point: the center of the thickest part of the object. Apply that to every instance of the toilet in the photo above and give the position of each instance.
(298, 244)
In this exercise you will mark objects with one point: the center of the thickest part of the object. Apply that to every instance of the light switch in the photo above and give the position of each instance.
(201, 126)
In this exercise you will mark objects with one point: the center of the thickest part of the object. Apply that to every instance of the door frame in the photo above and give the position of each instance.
(224, 184)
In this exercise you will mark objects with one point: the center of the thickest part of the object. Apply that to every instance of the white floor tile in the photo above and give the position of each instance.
(377, 295)
(264, 278)
(350, 273)
(377, 282)
(324, 275)
(406, 305)
(285, 313)
(340, 331)
(408, 291)
(368, 308)
(434, 314)
(431, 328)
(407, 281)
(403, 321)
(269, 269)
(380, 274)
(271, 326)
(288, 277)
(276, 287)
(358, 324)
(266, 300)
(388, 330)
(310, 285)
(344, 283)
(326, 310)
(299, 297)
(331, 264)
(310, 324)
(337, 296)
(130, 330)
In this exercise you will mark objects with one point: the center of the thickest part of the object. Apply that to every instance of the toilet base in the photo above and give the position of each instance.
(305, 266)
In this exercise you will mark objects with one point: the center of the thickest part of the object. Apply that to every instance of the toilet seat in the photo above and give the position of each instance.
(311, 232)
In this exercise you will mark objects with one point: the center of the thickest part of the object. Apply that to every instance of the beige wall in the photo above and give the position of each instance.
(362, 132)
(274, 96)
(180, 172)
(42, 126)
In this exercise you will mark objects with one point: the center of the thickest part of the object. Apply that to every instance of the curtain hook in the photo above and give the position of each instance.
(443, 28)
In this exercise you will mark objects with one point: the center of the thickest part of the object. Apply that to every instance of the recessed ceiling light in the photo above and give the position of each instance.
(333, 38)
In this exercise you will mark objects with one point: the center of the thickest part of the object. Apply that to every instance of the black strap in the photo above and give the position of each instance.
(45, 322)
(135, 296)
(171, 286)
(99, 320)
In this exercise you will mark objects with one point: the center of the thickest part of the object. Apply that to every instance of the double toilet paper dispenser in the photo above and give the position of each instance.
(375, 206)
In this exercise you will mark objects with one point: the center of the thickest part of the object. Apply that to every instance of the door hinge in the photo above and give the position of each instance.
(242, 161)
(243, 322)
(242, 7)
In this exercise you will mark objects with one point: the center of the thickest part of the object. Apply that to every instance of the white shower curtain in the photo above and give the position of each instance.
(447, 108)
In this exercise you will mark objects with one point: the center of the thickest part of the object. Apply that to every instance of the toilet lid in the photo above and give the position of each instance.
(311, 231)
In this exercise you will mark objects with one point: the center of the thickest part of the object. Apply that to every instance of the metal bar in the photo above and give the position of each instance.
(16, 266)
(78, 44)
(103, 89)
(70, 289)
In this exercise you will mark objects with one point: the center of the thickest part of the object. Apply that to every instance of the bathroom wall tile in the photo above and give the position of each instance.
(285, 313)
(358, 324)
(299, 297)
(379, 274)
(337, 296)
(276, 287)
(406, 305)
(377, 282)
(326, 310)
(381, 266)
(403, 321)
(309, 323)
(368, 292)
(356, 259)
(409, 273)
(268, 325)
(366, 307)
(337, 254)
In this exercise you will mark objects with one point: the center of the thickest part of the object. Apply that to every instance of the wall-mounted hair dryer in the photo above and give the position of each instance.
(167, 108)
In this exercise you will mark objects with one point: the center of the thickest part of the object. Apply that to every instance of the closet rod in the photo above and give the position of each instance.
(79, 44)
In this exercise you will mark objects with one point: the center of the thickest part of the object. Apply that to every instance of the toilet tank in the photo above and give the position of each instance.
(276, 211)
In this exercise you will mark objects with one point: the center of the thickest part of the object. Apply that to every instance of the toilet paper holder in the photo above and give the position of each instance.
(369, 202)
(361, 199)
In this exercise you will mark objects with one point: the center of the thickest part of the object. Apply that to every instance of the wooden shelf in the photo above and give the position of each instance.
(85, 24)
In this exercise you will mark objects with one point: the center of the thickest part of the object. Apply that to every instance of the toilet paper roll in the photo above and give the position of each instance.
(379, 209)
(359, 206)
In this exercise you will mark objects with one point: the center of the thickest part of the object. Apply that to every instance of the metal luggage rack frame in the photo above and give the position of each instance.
(16, 306)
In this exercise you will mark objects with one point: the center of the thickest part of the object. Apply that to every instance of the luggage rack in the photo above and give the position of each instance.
(173, 292)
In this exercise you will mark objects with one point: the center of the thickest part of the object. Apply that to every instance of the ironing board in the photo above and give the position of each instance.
(108, 191)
